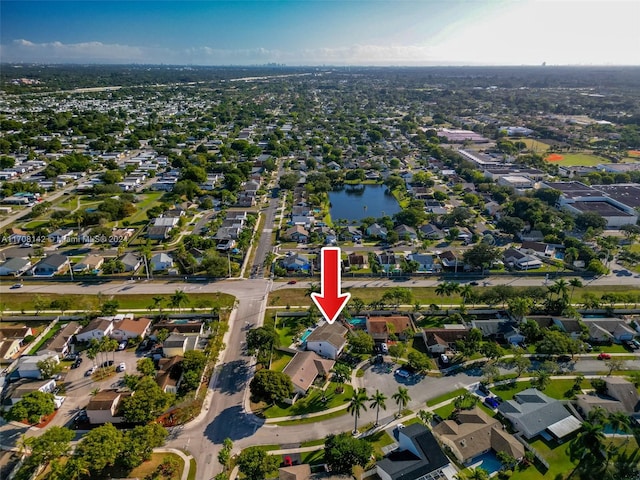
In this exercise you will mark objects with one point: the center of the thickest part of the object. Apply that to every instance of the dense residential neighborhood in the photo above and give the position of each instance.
(161, 246)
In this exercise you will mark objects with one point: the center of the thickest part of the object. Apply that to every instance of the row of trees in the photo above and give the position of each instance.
(359, 399)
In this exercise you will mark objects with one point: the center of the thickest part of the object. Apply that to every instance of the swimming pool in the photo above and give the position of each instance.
(488, 461)
(304, 336)
(358, 321)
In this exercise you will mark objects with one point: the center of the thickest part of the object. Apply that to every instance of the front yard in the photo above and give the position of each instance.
(312, 403)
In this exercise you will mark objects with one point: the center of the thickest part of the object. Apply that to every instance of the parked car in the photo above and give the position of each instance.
(564, 358)
(122, 367)
(636, 343)
(108, 363)
(444, 359)
(75, 364)
(16, 285)
(604, 356)
(384, 348)
(491, 402)
(122, 345)
(474, 284)
(72, 357)
(402, 373)
(91, 371)
(484, 389)
(292, 282)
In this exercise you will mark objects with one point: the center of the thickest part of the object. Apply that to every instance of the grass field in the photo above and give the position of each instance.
(535, 145)
(312, 403)
(25, 301)
(422, 295)
(580, 159)
(280, 360)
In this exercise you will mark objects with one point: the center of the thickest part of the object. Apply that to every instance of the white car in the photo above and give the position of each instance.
(122, 367)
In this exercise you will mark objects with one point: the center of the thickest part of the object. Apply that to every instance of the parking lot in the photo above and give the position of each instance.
(78, 386)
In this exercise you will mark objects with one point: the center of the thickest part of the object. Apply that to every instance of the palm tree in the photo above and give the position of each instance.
(341, 373)
(377, 402)
(575, 283)
(477, 474)
(619, 422)
(597, 416)
(157, 302)
(356, 404)
(466, 292)
(425, 416)
(312, 288)
(402, 398)
(562, 289)
(178, 299)
(586, 448)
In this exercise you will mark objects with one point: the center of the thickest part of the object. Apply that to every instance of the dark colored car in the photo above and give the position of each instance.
(474, 284)
(108, 363)
(491, 402)
(564, 358)
(484, 389)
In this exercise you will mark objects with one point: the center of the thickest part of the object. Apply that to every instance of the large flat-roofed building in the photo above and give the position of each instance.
(616, 203)
(460, 136)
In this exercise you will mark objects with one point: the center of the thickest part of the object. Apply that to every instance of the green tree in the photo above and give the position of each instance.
(343, 452)
(101, 447)
(490, 372)
(147, 402)
(140, 442)
(519, 307)
(32, 407)
(53, 443)
(419, 361)
(271, 386)
(378, 401)
(341, 373)
(614, 364)
(224, 455)
(520, 363)
(402, 398)
(361, 342)
(49, 367)
(357, 402)
(426, 417)
(178, 300)
(481, 255)
(619, 422)
(508, 461)
(145, 366)
(397, 351)
(256, 464)
(478, 473)
(357, 305)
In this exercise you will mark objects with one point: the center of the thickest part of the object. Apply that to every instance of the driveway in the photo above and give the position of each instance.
(78, 386)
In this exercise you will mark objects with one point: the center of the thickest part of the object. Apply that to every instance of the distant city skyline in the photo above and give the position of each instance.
(322, 32)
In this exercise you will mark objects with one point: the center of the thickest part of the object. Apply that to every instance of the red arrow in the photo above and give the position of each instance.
(330, 301)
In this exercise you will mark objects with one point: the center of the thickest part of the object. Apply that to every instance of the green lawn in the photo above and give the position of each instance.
(288, 329)
(379, 440)
(555, 389)
(49, 334)
(150, 200)
(445, 411)
(556, 455)
(280, 360)
(312, 403)
(192, 469)
(582, 159)
(535, 145)
(446, 396)
(313, 458)
(320, 418)
(25, 301)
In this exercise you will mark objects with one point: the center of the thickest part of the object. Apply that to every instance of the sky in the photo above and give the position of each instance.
(322, 32)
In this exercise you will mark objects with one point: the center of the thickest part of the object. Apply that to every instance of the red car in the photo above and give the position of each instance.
(292, 282)
(604, 356)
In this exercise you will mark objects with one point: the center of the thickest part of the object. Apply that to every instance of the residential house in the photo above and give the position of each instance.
(377, 231)
(97, 328)
(189, 327)
(178, 343)
(426, 263)
(19, 389)
(531, 413)
(406, 232)
(161, 261)
(440, 340)
(12, 340)
(131, 328)
(297, 233)
(621, 396)
(296, 262)
(381, 327)
(61, 342)
(450, 261)
(474, 433)
(61, 235)
(606, 330)
(389, 262)
(169, 374)
(105, 407)
(90, 263)
(500, 330)
(131, 262)
(50, 265)
(295, 472)
(351, 233)
(570, 326)
(304, 368)
(520, 260)
(357, 261)
(418, 457)
(15, 266)
(431, 232)
(540, 249)
(27, 366)
(328, 340)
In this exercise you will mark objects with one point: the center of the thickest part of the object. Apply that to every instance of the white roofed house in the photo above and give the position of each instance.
(521, 260)
(96, 328)
(161, 261)
(328, 340)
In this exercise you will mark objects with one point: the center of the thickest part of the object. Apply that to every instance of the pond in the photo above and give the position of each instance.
(359, 201)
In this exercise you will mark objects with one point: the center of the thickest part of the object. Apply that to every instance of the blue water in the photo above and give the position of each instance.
(358, 321)
(180, 322)
(593, 316)
(356, 203)
(489, 462)
(560, 255)
(304, 336)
